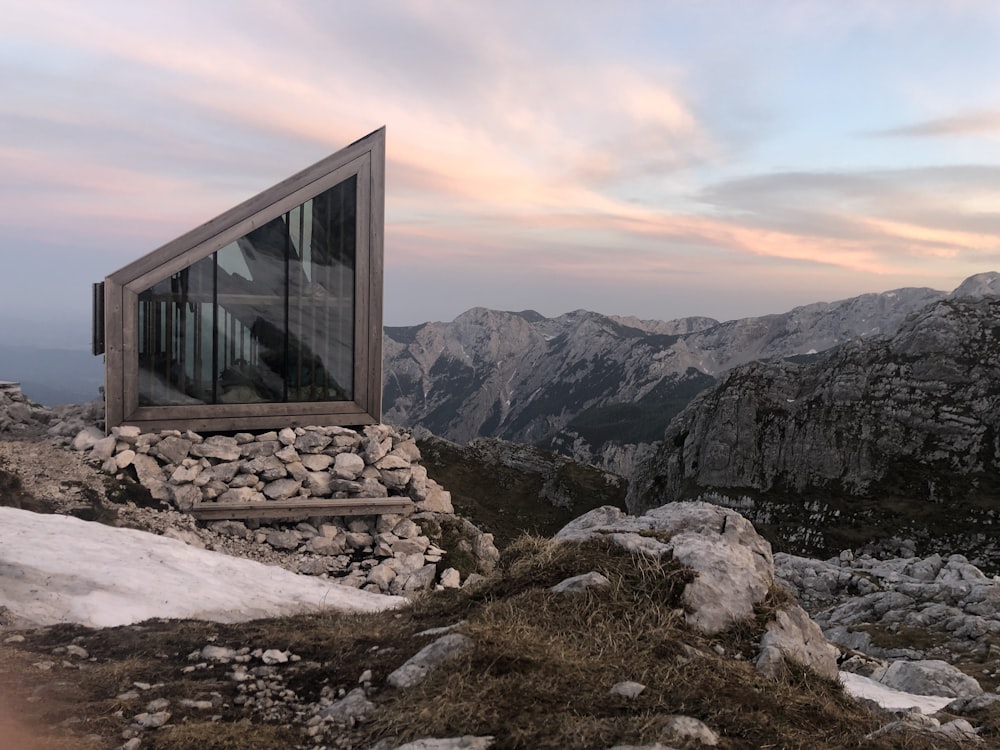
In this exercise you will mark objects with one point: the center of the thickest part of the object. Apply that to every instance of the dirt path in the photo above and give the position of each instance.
(52, 478)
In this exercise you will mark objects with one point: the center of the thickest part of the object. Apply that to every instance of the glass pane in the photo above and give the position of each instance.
(175, 341)
(267, 319)
(321, 296)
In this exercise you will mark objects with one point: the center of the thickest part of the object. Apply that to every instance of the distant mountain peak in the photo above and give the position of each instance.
(980, 285)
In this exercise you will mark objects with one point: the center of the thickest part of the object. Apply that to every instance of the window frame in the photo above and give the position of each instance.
(364, 158)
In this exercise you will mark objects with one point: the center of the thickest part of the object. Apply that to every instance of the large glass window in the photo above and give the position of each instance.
(269, 318)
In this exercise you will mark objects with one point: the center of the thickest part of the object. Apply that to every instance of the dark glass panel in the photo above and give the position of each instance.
(174, 352)
(268, 318)
(321, 296)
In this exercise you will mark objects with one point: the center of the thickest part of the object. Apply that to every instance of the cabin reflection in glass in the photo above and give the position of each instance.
(266, 319)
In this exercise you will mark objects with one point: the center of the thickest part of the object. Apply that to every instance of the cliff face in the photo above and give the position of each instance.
(595, 387)
(900, 431)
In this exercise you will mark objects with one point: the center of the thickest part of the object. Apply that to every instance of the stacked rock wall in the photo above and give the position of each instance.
(318, 462)
(388, 553)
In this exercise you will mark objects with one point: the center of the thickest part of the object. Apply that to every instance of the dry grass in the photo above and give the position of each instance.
(208, 735)
(543, 665)
(538, 677)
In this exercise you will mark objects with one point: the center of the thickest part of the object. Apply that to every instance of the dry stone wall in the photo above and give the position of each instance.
(390, 553)
(319, 462)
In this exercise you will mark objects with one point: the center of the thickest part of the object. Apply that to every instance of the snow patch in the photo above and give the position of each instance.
(887, 697)
(57, 569)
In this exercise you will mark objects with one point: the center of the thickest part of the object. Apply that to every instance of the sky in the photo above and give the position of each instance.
(662, 159)
(114, 576)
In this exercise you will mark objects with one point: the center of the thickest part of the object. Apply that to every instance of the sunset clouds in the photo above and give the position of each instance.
(659, 159)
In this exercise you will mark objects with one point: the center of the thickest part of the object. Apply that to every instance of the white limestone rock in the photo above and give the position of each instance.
(734, 563)
(438, 500)
(186, 473)
(241, 495)
(382, 575)
(221, 447)
(128, 433)
(312, 442)
(172, 449)
(421, 579)
(581, 583)
(185, 496)
(86, 438)
(374, 449)
(297, 471)
(353, 707)
(417, 667)
(147, 470)
(627, 689)
(684, 729)
(319, 483)
(411, 545)
(123, 459)
(281, 489)
(450, 579)
(793, 637)
(928, 677)
(348, 466)
(104, 448)
(406, 529)
(317, 461)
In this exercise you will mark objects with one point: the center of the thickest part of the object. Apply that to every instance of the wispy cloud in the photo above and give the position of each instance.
(612, 147)
(985, 122)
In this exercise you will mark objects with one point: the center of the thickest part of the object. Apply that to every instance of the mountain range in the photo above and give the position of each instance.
(603, 389)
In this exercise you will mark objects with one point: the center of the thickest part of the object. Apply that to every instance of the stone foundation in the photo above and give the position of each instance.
(387, 553)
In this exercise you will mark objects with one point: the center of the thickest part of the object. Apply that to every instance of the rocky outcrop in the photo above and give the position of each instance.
(734, 574)
(793, 637)
(909, 425)
(870, 604)
(20, 417)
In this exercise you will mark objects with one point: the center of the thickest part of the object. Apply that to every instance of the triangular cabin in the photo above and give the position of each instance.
(269, 315)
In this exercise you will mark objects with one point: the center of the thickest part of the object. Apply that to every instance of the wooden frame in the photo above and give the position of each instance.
(300, 509)
(364, 159)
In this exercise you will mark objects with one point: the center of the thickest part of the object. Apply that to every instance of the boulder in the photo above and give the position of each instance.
(86, 438)
(928, 677)
(733, 563)
(147, 470)
(581, 583)
(417, 667)
(172, 449)
(793, 637)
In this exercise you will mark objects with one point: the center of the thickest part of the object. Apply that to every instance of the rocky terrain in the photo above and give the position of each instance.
(692, 582)
(598, 388)
(889, 607)
(676, 627)
(164, 473)
(880, 438)
(668, 630)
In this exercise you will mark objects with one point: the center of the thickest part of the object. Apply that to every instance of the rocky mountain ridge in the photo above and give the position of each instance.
(601, 388)
(694, 584)
(880, 437)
